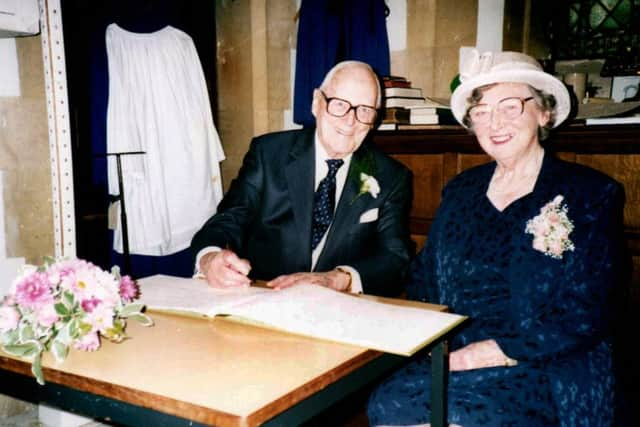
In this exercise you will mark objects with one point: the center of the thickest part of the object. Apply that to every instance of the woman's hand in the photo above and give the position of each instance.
(480, 354)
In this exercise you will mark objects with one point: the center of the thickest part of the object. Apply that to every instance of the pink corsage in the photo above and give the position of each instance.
(551, 229)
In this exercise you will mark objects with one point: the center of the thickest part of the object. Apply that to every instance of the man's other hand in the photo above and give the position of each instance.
(334, 279)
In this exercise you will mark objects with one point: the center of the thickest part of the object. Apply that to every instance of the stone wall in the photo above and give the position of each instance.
(24, 158)
(254, 43)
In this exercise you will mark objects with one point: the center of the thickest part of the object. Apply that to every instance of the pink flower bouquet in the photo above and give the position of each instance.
(66, 303)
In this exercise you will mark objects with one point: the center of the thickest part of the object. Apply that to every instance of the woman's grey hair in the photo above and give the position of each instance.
(340, 66)
(545, 102)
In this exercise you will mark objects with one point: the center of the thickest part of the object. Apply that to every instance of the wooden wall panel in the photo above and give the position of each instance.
(428, 180)
(466, 161)
(435, 156)
(625, 169)
(570, 157)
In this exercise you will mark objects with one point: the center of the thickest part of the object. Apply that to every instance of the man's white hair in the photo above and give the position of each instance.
(352, 64)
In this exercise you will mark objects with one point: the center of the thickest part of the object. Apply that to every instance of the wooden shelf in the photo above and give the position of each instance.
(576, 138)
(436, 155)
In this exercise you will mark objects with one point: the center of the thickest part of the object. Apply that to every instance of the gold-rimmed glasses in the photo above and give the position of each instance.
(508, 108)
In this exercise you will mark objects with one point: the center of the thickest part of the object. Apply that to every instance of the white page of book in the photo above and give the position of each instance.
(191, 295)
(323, 313)
(308, 310)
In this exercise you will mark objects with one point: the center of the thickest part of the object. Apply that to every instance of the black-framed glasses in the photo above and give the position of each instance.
(338, 107)
(508, 108)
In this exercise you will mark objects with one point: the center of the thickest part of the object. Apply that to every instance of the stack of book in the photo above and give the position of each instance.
(393, 117)
(406, 107)
(398, 93)
(434, 112)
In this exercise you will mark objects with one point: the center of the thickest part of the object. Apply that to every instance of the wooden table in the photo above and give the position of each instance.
(188, 370)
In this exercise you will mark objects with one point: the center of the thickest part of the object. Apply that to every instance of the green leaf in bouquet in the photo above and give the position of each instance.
(116, 333)
(68, 299)
(131, 309)
(63, 334)
(83, 328)
(28, 349)
(36, 368)
(61, 309)
(143, 319)
(45, 337)
(60, 350)
(74, 329)
(48, 261)
(9, 337)
(25, 332)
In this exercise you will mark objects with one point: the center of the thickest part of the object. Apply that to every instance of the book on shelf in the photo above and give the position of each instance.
(308, 310)
(396, 115)
(437, 103)
(392, 117)
(420, 102)
(405, 102)
(387, 126)
(600, 110)
(612, 120)
(442, 116)
(395, 81)
(429, 119)
(391, 77)
(421, 110)
(409, 92)
(422, 126)
(431, 116)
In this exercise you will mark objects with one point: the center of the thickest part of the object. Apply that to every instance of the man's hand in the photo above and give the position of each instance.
(334, 279)
(480, 354)
(224, 269)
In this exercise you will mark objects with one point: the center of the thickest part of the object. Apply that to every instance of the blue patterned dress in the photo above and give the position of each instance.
(552, 315)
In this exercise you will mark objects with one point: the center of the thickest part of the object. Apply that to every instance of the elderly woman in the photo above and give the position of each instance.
(528, 246)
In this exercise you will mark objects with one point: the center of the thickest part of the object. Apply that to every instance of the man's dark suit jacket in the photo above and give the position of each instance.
(265, 216)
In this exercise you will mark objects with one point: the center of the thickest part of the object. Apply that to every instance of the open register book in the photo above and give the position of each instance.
(308, 310)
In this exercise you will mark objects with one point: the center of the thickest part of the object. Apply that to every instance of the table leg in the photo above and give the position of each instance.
(439, 375)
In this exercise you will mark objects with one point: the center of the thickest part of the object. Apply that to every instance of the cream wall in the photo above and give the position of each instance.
(24, 156)
(435, 31)
(254, 42)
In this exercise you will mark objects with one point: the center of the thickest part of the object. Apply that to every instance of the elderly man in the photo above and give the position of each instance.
(315, 205)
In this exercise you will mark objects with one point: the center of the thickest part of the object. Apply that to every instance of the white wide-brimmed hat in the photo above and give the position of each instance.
(502, 67)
